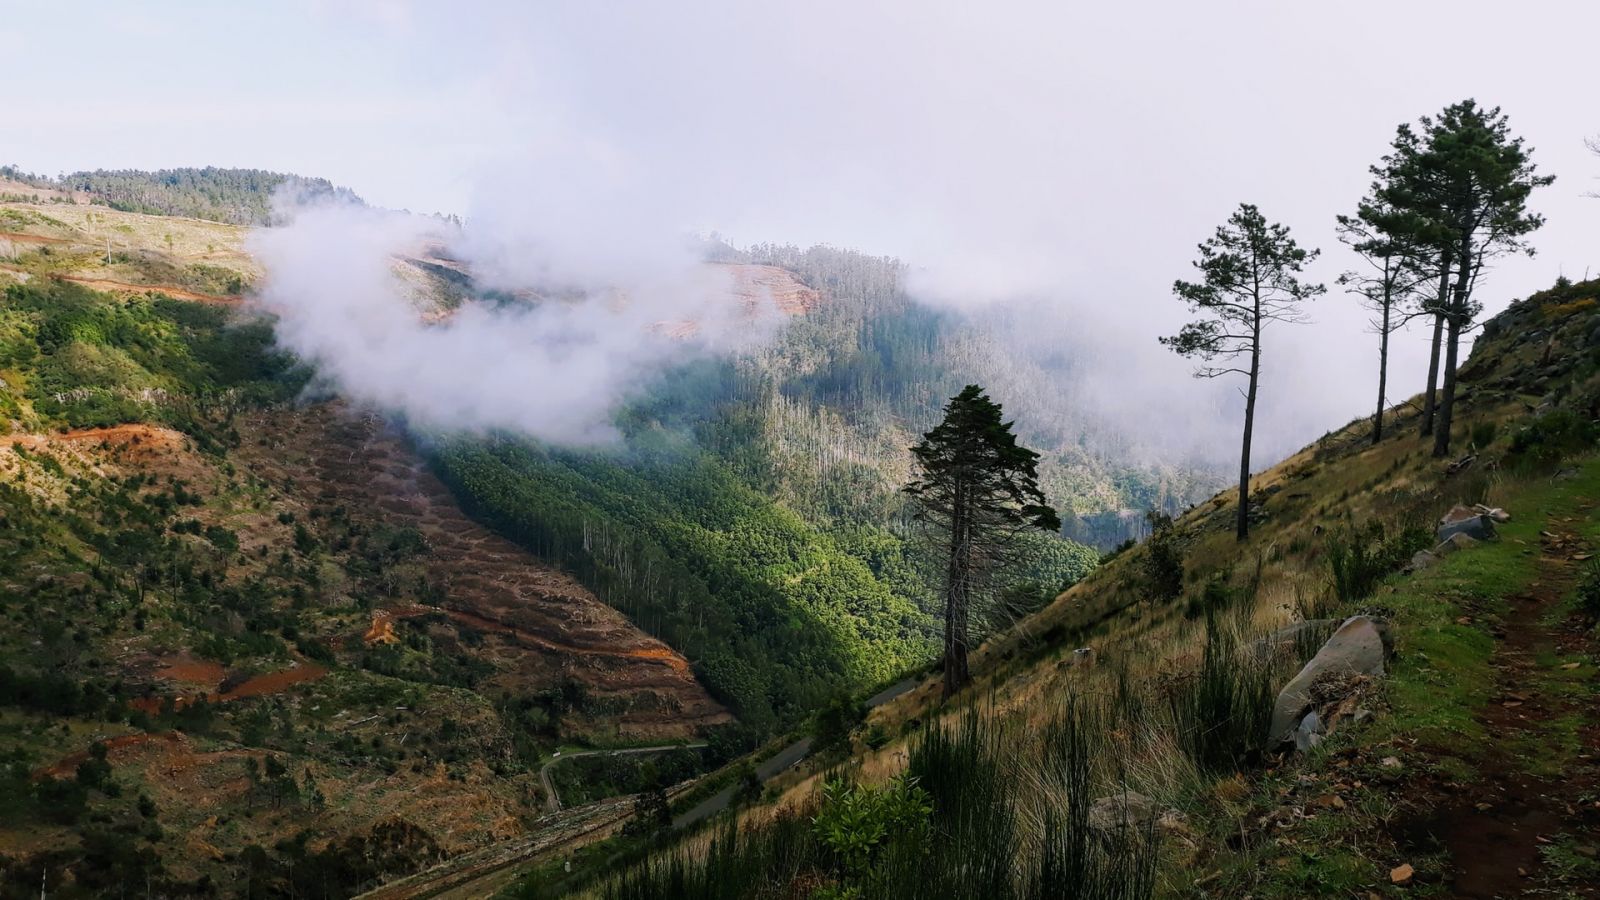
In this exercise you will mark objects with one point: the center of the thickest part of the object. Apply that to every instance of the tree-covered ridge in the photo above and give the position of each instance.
(76, 358)
(235, 196)
(777, 616)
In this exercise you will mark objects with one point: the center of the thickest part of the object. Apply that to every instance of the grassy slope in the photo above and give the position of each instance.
(1338, 821)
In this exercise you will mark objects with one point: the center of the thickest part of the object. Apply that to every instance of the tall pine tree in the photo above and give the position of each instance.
(1250, 270)
(1465, 182)
(976, 488)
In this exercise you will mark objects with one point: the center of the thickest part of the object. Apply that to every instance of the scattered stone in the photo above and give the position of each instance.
(1390, 762)
(1462, 520)
(1571, 665)
(1402, 874)
(1458, 541)
(1420, 560)
(1495, 513)
(1310, 732)
(1111, 817)
(1360, 647)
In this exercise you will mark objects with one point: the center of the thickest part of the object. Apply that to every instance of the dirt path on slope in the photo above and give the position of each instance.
(1497, 831)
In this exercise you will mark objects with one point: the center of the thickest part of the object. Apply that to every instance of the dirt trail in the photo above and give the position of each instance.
(1496, 832)
(171, 290)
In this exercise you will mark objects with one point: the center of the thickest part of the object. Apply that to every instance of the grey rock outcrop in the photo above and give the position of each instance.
(1360, 647)
(1470, 522)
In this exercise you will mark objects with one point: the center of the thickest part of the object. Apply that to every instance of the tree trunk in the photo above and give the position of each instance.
(1460, 310)
(1438, 334)
(1249, 426)
(1447, 393)
(956, 674)
(1383, 367)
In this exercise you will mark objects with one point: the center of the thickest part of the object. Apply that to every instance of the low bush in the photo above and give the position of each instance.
(1552, 437)
(1361, 557)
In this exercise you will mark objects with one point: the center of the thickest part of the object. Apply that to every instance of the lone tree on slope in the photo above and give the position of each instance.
(977, 488)
(1250, 268)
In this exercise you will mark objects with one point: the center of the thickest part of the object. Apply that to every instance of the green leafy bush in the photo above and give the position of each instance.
(1163, 560)
(1552, 437)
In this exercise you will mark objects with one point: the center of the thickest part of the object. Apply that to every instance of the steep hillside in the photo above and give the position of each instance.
(238, 624)
(1469, 767)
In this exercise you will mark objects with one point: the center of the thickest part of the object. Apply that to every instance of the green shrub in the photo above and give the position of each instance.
(1163, 560)
(1361, 557)
(1552, 437)
(1589, 592)
(1483, 434)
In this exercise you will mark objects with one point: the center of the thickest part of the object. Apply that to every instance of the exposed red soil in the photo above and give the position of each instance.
(258, 686)
(171, 290)
(136, 444)
(275, 682)
(758, 285)
(68, 765)
(757, 289)
(538, 626)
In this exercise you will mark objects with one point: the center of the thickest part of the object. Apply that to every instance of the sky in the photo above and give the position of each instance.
(1067, 154)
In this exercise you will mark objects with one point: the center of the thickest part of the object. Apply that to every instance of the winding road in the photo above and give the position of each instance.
(482, 872)
(784, 759)
(552, 802)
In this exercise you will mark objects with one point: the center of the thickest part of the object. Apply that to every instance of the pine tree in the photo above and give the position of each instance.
(976, 488)
(1396, 268)
(1464, 182)
(1250, 269)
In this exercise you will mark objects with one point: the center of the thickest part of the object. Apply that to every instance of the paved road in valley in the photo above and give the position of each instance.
(552, 802)
(780, 761)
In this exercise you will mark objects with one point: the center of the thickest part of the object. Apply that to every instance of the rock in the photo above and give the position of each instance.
(1420, 560)
(1309, 734)
(1402, 874)
(1458, 541)
(1359, 647)
(1390, 762)
(1112, 816)
(1461, 520)
(1495, 513)
(1287, 637)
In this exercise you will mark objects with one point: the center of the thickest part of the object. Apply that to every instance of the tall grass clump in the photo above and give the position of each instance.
(1221, 712)
(984, 809)
(1361, 557)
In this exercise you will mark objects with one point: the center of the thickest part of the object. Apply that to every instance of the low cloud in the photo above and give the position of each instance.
(553, 357)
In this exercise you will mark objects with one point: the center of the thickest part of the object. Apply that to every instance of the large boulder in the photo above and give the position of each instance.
(1361, 646)
(1470, 522)
(1289, 637)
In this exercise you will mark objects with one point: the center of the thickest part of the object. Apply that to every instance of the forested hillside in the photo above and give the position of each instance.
(754, 519)
(233, 196)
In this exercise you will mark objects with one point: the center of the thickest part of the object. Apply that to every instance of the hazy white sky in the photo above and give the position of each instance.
(1065, 151)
